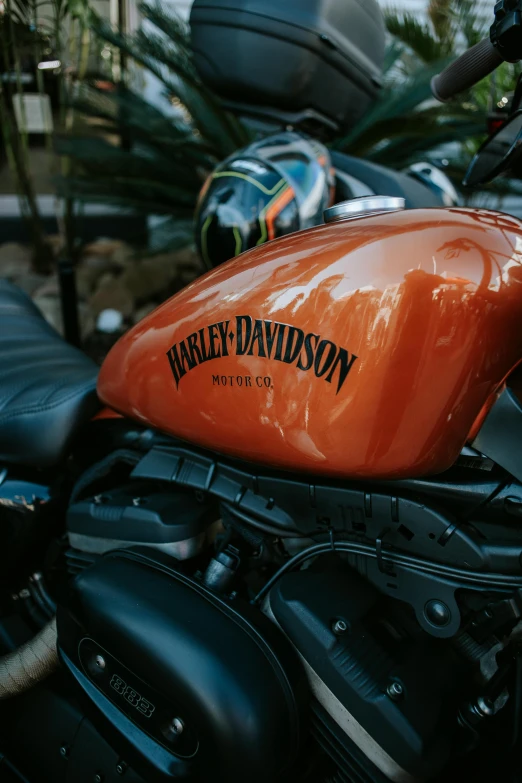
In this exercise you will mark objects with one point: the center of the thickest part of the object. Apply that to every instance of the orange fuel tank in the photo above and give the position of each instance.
(361, 349)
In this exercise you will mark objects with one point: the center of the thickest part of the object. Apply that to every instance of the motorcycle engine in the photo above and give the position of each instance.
(183, 684)
(188, 681)
(188, 684)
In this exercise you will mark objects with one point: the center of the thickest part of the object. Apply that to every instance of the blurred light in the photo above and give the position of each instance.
(494, 124)
(105, 52)
(109, 321)
(48, 64)
(103, 84)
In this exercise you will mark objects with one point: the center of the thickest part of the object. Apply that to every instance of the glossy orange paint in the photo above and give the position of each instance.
(106, 413)
(429, 301)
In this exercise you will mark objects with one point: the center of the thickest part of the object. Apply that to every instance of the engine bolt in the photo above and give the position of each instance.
(339, 627)
(121, 767)
(64, 751)
(437, 613)
(177, 725)
(100, 662)
(395, 691)
(484, 707)
(98, 778)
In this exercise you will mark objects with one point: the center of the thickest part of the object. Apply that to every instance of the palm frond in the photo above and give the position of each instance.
(396, 102)
(170, 23)
(169, 152)
(441, 17)
(472, 24)
(168, 55)
(417, 36)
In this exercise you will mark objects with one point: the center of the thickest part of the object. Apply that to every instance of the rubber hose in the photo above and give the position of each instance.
(29, 664)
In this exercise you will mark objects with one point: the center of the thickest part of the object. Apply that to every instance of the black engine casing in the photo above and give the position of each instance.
(139, 514)
(145, 644)
(405, 737)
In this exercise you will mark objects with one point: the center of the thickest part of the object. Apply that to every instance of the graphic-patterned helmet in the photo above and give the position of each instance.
(272, 187)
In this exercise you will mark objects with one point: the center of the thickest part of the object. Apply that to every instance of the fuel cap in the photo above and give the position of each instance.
(363, 207)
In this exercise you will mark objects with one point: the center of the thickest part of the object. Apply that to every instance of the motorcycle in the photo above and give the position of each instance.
(277, 537)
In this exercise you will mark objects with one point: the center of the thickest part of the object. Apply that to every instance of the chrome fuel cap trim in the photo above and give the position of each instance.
(363, 207)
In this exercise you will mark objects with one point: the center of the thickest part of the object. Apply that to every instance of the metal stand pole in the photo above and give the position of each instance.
(69, 302)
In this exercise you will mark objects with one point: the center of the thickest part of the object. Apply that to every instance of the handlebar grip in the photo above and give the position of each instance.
(467, 70)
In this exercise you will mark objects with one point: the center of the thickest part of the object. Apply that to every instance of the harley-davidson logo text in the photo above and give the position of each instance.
(247, 336)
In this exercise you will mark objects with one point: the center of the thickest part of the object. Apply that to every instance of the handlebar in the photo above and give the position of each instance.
(503, 45)
(467, 70)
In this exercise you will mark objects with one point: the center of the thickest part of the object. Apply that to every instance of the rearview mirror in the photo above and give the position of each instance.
(497, 154)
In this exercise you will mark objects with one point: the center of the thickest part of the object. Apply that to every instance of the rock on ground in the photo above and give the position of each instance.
(110, 275)
(15, 260)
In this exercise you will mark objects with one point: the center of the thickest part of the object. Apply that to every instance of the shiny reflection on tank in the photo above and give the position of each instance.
(426, 306)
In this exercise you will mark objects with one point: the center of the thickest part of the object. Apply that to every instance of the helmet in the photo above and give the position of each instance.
(272, 187)
(437, 181)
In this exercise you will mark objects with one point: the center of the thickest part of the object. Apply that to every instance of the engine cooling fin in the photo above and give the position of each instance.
(352, 765)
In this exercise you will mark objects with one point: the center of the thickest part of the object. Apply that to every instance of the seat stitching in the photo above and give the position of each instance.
(51, 389)
(12, 390)
(39, 337)
(19, 312)
(43, 408)
(20, 390)
(18, 315)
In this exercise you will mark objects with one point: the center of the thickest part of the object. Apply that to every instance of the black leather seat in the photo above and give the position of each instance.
(47, 387)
